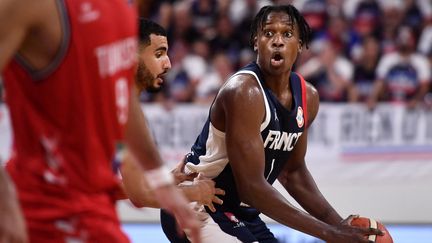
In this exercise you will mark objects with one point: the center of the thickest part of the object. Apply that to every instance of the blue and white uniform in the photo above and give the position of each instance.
(280, 131)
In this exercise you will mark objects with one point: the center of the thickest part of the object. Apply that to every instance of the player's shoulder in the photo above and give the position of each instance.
(241, 85)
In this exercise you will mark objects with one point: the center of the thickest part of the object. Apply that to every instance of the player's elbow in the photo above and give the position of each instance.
(137, 203)
(146, 200)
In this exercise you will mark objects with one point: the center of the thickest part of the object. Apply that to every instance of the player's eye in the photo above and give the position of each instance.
(159, 54)
(288, 34)
(268, 33)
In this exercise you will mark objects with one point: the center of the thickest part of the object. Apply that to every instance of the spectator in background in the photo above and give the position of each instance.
(402, 76)
(221, 70)
(330, 72)
(242, 13)
(181, 30)
(245, 10)
(182, 34)
(227, 22)
(391, 18)
(189, 72)
(335, 32)
(204, 14)
(365, 23)
(425, 47)
(226, 39)
(425, 41)
(413, 15)
(315, 14)
(365, 65)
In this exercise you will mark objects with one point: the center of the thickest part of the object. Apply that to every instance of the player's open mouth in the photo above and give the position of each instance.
(161, 78)
(277, 59)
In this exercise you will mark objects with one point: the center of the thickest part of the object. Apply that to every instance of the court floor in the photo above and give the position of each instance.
(140, 233)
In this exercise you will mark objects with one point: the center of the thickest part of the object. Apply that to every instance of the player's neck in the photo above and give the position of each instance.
(278, 83)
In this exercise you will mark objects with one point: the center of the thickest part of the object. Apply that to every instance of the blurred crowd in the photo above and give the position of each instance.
(361, 51)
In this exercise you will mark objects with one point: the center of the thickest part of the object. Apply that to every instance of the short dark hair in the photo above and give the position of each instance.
(293, 14)
(148, 27)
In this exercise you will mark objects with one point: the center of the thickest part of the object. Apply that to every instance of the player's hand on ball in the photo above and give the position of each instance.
(370, 223)
(345, 232)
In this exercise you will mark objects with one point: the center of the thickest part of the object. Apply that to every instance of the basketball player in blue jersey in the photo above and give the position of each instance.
(256, 133)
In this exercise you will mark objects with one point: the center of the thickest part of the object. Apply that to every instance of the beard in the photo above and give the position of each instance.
(144, 79)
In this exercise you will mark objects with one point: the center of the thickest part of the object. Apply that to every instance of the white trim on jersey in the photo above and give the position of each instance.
(216, 158)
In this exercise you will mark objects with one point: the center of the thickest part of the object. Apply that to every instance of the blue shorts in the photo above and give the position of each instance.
(245, 226)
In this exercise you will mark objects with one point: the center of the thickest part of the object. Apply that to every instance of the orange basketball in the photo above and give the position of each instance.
(371, 223)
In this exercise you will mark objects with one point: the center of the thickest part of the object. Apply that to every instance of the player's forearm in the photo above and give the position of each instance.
(135, 184)
(270, 202)
(138, 136)
(315, 204)
(192, 192)
(145, 197)
(304, 189)
(6, 188)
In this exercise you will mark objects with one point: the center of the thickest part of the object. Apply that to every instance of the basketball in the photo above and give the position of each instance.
(371, 223)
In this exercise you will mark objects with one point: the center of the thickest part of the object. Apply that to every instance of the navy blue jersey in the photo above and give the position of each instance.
(280, 131)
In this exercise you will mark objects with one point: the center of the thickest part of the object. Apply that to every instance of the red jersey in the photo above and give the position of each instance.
(68, 118)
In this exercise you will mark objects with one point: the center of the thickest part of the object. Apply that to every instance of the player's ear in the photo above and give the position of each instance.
(300, 46)
(255, 44)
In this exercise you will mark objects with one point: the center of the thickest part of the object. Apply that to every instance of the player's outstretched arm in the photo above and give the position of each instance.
(239, 111)
(142, 146)
(138, 191)
(295, 176)
(12, 227)
(300, 184)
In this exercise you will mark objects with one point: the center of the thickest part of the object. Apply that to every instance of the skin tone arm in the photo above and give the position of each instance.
(298, 181)
(141, 144)
(17, 18)
(245, 150)
(12, 227)
(33, 28)
(296, 177)
(137, 189)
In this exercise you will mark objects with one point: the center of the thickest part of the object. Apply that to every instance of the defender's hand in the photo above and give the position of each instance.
(207, 193)
(172, 200)
(179, 175)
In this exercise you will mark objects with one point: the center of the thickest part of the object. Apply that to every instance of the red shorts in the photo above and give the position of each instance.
(76, 230)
